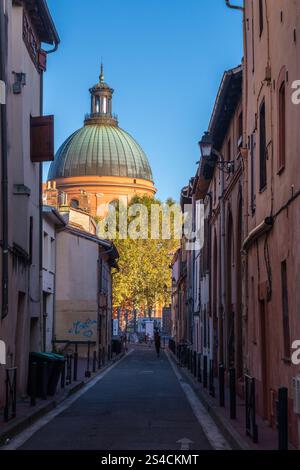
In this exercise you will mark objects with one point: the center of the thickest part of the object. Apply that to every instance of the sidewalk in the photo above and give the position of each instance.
(27, 415)
(233, 430)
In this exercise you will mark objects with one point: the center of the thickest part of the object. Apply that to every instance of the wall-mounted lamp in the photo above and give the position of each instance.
(209, 153)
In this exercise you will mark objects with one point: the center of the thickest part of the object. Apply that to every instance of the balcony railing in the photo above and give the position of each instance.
(101, 115)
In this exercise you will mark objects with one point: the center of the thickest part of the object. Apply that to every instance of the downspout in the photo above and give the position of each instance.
(245, 294)
(222, 291)
(43, 316)
(233, 7)
(4, 166)
(209, 253)
(223, 248)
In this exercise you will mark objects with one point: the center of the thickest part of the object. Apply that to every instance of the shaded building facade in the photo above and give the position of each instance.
(26, 141)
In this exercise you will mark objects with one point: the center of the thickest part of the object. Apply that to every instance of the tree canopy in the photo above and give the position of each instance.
(144, 278)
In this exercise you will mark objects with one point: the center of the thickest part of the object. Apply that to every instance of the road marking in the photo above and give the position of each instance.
(19, 440)
(214, 436)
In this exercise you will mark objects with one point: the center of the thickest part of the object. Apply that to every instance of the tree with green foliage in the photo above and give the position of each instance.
(144, 278)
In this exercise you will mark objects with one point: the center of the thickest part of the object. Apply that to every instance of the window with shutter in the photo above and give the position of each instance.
(42, 139)
(282, 127)
(262, 147)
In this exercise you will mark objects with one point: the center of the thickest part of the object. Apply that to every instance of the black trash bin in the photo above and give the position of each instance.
(40, 359)
(58, 364)
(54, 362)
(116, 345)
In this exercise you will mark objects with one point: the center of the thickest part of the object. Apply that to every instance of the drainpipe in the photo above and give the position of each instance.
(43, 316)
(222, 256)
(4, 166)
(223, 248)
(209, 254)
(245, 295)
(233, 7)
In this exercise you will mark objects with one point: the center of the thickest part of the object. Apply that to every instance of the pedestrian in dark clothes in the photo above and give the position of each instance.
(157, 343)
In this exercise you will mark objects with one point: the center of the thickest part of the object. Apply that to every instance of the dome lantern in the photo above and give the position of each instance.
(101, 103)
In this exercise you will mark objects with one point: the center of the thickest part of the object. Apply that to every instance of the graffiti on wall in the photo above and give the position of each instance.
(84, 329)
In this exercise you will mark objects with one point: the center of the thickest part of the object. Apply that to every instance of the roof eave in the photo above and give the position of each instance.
(231, 83)
(42, 20)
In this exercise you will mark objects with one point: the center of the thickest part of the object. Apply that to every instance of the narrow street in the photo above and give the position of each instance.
(139, 404)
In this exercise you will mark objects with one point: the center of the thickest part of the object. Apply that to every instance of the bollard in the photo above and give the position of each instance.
(232, 394)
(211, 379)
(88, 372)
(195, 364)
(44, 381)
(63, 374)
(282, 410)
(94, 361)
(69, 369)
(251, 426)
(221, 385)
(103, 356)
(75, 366)
(205, 371)
(99, 358)
(187, 358)
(199, 369)
(33, 383)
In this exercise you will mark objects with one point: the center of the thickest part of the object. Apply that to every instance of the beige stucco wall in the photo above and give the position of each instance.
(49, 266)
(76, 288)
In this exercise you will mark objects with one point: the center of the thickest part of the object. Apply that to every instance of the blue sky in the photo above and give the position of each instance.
(165, 60)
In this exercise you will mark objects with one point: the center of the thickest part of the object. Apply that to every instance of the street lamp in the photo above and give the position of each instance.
(206, 145)
(209, 153)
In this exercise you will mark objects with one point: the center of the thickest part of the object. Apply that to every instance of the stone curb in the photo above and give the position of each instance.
(233, 437)
(20, 424)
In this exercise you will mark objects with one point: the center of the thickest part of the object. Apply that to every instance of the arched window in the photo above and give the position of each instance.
(282, 126)
(97, 104)
(104, 105)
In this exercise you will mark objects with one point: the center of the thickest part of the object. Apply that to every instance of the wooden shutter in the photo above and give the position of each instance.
(42, 139)
(282, 127)
(262, 147)
(42, 57)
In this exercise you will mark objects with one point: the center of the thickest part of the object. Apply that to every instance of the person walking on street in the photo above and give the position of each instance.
(157, 343)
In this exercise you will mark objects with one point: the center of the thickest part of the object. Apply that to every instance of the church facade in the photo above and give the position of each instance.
(99, 163)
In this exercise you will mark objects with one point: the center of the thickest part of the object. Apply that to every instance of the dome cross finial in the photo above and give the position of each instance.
(102, 73)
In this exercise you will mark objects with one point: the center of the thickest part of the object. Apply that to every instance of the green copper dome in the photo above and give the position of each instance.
(100, 150)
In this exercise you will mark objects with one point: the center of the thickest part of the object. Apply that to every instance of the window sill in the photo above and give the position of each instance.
(262, 190)
(280, 170)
